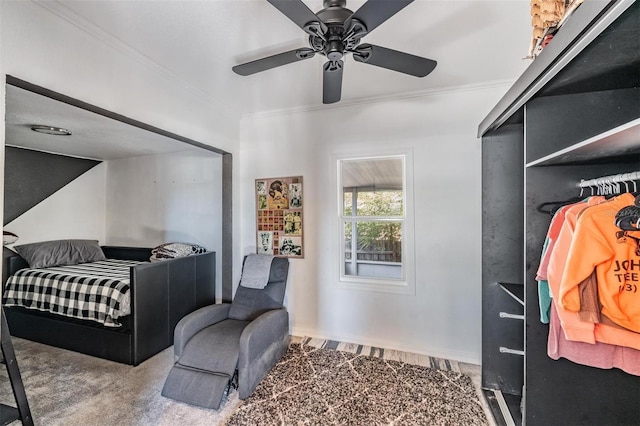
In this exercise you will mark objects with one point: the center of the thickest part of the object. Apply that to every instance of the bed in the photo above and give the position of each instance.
(159, 295)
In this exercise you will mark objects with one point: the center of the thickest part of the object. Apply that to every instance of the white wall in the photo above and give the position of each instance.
(157, 199)
(443, 317)
(40, 45)
(77, 210)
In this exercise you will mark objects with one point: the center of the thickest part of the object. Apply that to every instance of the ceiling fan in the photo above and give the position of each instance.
(335, 31)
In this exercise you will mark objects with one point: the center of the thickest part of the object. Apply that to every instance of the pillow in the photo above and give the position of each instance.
(60, 252)
(174, 250)
(256, 270)
(249, 303)
(8, 238)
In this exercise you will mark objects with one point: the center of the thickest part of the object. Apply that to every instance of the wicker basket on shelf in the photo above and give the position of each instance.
(546, 17)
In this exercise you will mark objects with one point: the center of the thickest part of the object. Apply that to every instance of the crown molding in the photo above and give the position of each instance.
(381, 99)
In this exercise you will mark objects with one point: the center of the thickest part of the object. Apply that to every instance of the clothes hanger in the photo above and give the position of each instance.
(628, 218)
(554, 206)
(628, 212)
(613, 189)
(551, 207)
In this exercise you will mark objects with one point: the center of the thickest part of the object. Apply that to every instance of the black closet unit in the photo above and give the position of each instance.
(574, 114)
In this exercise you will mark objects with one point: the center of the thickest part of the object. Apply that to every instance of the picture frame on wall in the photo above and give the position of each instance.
(279, 216)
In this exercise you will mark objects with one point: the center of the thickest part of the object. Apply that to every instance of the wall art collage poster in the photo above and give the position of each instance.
(279, 216)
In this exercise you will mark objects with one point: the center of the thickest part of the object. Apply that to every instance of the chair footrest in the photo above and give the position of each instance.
(195, 387)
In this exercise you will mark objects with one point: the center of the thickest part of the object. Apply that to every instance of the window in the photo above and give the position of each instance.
(373, 220)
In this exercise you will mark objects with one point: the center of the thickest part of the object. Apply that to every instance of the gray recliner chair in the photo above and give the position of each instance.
(248, 335)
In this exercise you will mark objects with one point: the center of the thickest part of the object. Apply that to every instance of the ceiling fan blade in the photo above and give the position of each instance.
(300, 14)
(332, 82)
(375, 12)
(273, 61)
(394, 60)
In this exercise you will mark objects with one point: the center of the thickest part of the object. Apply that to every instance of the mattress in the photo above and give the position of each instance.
(95, 291)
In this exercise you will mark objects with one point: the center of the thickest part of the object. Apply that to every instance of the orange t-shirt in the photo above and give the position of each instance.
(614, 254)
(573, 327)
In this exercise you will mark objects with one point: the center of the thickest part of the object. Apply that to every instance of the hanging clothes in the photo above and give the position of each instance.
(600, 355)
(599, 245)
(574, 328)
(591, 268)
(544, 293)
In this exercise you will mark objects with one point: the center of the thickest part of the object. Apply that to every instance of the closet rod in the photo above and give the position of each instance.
(622, 177)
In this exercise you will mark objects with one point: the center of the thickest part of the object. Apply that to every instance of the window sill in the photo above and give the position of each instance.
(376, 285)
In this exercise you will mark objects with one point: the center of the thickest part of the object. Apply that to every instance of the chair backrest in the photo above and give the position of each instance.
(250, 303)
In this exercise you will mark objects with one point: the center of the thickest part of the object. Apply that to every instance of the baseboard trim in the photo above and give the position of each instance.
(460, 356)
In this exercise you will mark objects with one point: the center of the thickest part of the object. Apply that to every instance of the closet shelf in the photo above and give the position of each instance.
(619, 141)
(516, 291)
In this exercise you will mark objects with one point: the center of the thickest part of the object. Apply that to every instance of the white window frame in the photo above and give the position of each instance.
(405, 285)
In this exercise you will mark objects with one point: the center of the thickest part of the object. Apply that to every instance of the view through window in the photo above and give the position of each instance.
(373, 217)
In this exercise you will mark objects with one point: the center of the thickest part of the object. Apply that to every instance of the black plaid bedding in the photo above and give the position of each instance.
(97, 291)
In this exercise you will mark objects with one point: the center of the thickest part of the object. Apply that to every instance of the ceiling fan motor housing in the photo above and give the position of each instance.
(334, 47)
(334, 12)
(336, 40)
(334, 3)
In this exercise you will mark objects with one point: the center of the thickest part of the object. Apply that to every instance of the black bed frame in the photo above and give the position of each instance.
(161, 294)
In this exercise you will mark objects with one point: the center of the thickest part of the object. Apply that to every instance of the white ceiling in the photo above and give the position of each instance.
(474, 42)
(93, 136)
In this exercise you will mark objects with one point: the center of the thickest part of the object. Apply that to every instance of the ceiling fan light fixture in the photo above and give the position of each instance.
(51, 130)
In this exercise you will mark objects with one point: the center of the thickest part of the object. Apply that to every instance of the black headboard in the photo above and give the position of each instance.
(127, 253)
(11, 262)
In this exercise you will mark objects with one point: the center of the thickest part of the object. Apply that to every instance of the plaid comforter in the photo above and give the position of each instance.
(97, 291)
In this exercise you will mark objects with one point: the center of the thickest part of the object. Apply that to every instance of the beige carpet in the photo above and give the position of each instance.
(67, 388)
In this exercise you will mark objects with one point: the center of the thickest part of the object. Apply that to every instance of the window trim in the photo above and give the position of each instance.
(405, 285)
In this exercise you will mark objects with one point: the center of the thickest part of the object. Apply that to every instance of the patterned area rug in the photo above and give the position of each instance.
(319, 386)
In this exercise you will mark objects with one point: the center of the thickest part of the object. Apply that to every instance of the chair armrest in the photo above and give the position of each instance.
(196, 321)
(262, 332)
